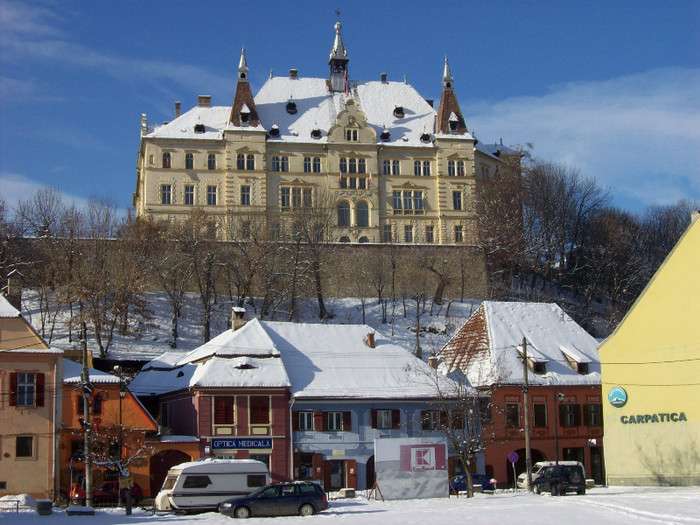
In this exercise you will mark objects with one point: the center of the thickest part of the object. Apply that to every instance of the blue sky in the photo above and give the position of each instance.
(611, 88)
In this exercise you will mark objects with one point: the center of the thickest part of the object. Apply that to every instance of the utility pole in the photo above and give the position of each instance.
(526, 414)
(87, 427)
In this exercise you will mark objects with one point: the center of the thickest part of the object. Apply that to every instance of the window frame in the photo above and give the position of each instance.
(334, 420)
(344, 214)
(430, 234)
(188, 195)
(167, 160)
(539, 414)
(166, 194)
(245, 194)
(26, 390)
(20, 450)
(189, 161)
(512, 412)
(459, 233)
(306, 420)
(256, 413)
(408, 233)
(212, 194)
(457, 200)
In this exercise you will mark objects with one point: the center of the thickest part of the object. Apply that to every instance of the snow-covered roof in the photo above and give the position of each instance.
(553, 339)
(241, 372)
(214, 119)
(334, 361)
(72, 371)
(6, 309)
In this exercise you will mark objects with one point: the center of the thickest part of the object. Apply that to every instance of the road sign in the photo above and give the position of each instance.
(126, 482)
(513, 457)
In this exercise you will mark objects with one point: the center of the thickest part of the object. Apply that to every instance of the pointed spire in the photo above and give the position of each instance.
(338, 61)
(447, 79)
(243, 67)
(449, 117)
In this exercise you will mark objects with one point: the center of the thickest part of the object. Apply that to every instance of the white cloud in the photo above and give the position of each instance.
(638, 135)
(15, 188)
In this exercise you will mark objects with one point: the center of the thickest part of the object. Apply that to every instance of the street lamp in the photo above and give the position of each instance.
(560, 396)
(122, 394)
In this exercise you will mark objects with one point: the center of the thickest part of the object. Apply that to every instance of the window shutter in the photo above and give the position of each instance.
(13, 389)
(319, 421)
(39, 389)
(347, 421)
(577, 415)
(374, 418)
(295, 421)
(395, 419)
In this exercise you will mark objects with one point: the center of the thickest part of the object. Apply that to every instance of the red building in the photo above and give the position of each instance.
(564, 385)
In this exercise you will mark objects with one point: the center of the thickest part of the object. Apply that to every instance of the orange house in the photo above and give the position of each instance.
(116, 417)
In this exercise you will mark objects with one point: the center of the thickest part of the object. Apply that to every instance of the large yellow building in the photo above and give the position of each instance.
(651, 377)
(391, 167)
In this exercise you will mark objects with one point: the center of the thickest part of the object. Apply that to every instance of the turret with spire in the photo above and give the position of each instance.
(338, 61)
(449, 116)
(243, 112)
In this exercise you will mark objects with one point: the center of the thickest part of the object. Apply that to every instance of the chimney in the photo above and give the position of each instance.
(177, 109)
(237, 320)
(204, 101)
(293, 74)
(370, 340)
(383, 75)
(433, 361)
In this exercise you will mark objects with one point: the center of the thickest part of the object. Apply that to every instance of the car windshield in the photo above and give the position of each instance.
(169, 482)
(547, 471)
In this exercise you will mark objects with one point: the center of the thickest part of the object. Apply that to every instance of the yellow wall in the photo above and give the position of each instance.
(654, 354)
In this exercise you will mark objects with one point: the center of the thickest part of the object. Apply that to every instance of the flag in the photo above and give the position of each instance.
(370, 176)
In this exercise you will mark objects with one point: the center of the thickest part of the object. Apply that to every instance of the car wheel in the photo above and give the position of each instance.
(581, 491)
(242, 512)
(554, 490)
(306, 509)
(536, 489)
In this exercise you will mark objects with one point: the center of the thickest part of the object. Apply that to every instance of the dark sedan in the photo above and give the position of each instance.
(278, 499)
(459, 483)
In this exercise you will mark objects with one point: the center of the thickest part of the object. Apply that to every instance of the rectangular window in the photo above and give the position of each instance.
(211, 162)
(306, 201)
(351, 135)
(24, 447)
(223, 410)
(259, 410)
(240, 161)
(352, 183)
(211, 195)
(335, 421)
(306, 420)
(25, 390)
(296, 197)
(395, 167)
(540, 410)
(286, 197)
(387, 235)
(513, 415)
(418, 201)
(317, 165)
(245, 195)
(188, 194)
(386, 167)
(416, 167)
(459, 234)
(307, 164)
(384, 419)
(166, 193)
(189, 161)
(485, 412)
(450, 168)
(569, 415)
(593, 414)
(408, 233)
(361, 166)
(250, 162)
(456, 200)
(430, 419)
(430, 234)
(275, 163)
(396, 200)
(426, 168)
(284, 164)
(407, 200)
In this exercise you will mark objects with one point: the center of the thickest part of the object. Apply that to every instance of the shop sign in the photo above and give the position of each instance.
(241, 443)
(617, 396)
(665, 417)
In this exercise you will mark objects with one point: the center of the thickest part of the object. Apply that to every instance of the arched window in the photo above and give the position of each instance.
(211, 161)
(317, 165)
(166, 160)
(250, 162)
(460, 168)
(189, 161)
(343, 214)
(386, 167)
(362, 215)
(343, 165)
(451, 168)
(345, 238)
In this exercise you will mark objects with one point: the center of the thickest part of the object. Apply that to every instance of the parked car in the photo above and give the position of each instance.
(278, 499)
(459, 482)
(105, 494)
(560, 479)
(537, 470)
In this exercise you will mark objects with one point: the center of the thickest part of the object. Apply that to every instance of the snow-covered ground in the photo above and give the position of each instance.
(600, 506)
(436, 326)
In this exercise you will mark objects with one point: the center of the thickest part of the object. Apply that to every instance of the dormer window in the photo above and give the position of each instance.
(539, 367)
(245, 115)
(425, 138)
(274, 131)
(351, 135)
(453, 123)
(398, 112)
(316, 133)
(199, 128)
(582, 368)
(385, 135)
(292, 108)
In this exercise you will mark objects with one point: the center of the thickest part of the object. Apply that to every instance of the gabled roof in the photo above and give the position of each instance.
(72, 372)
(489, 346)
(6, 309)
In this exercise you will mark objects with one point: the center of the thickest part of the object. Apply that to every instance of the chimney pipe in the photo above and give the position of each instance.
(370, 340)
(237, 320)
(177, 109)
(204, 101)
(293, 74)
(383, 78)
(433, 361)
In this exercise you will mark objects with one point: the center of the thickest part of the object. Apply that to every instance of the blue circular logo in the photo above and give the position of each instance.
(617, 396)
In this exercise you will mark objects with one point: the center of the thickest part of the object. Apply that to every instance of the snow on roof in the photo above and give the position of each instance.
(6, 309)
(549, 331)
(333, 361)
(214, 119)
(241, 372)
(72, 371)
(249, 340)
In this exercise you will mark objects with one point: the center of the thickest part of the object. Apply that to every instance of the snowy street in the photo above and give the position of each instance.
(600, 506)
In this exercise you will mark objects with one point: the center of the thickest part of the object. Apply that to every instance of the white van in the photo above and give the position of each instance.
(537, 469)
(203, 485)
